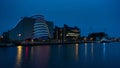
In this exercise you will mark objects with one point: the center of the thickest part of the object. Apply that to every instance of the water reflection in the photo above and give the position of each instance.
(104, 50)
(42, 54)
(92, 49)
(76, 51)
(36, 56)
(19, 56)
(85, 49)
(31, 54)
(88, 55)
(59, 49)
(26, 53)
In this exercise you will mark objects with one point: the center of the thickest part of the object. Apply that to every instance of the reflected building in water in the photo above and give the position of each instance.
(37, 57)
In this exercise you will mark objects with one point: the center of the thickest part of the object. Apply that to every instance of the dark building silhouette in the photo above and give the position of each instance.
(98, 36)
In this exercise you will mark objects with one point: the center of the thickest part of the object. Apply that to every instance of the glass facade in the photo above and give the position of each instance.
(40, 30)
(34, 27)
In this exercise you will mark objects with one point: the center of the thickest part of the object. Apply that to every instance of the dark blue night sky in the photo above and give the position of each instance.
(88, 15)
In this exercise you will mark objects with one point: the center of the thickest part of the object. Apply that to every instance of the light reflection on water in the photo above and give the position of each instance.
(32, 51)
(76, 50)
(92, 49)
(104, 44)
(85, 55)
(19, 57)
(85, 49)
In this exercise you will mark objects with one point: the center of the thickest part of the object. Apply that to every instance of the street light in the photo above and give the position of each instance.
(19, 35)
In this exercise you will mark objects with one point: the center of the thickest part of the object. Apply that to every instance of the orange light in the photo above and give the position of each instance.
(85, 39)
(91, 39)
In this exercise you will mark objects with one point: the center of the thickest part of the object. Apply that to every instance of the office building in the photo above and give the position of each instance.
(66, 33)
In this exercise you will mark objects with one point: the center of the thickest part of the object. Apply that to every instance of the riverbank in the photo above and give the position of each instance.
(45, 43)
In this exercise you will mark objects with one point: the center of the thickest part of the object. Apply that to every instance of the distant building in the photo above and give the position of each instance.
(1, 39)
(5, 37)
(35, 27)
(66, 33)
(98, 36)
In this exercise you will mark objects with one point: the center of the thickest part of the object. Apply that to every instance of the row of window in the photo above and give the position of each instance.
(40, 30)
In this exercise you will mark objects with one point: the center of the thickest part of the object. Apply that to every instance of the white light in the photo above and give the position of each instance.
(72, 34)
(32, 40)
(19, 35)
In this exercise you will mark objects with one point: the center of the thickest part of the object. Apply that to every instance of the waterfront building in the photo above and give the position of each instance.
(31, 28)
(66, 33)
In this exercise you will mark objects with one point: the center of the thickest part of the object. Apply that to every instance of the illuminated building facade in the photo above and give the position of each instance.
(66, 33)
(35, 27)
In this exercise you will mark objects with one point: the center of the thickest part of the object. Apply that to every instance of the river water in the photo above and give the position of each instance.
(85, 55)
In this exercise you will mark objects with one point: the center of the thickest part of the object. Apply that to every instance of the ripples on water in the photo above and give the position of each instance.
(87, 55)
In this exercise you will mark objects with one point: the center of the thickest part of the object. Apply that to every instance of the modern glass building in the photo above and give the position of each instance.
(35, 27)
(66, 33)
